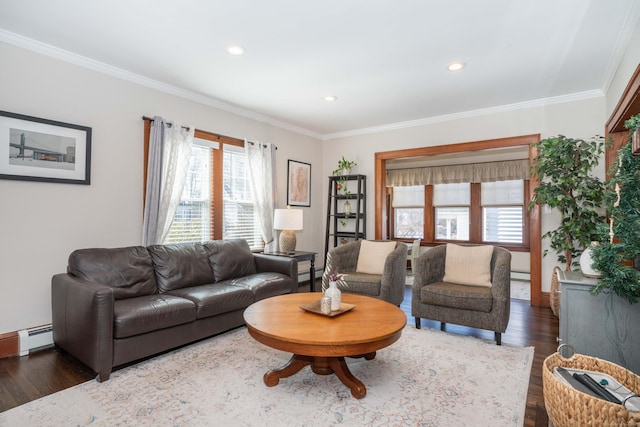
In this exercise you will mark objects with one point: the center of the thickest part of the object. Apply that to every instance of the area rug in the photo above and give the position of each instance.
(427, 378)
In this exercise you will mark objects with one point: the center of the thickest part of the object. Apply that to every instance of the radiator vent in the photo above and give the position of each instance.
(31, 339)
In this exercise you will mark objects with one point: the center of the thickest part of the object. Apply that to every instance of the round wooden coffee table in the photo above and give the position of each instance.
(320, 341)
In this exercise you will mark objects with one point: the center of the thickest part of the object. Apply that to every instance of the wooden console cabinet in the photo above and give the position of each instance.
(604, 326)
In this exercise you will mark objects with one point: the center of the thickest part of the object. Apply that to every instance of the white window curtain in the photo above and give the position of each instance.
(169, 153)
(261, 170)
(474, 172)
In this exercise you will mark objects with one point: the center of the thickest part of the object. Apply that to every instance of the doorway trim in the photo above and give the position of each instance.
(535, 243)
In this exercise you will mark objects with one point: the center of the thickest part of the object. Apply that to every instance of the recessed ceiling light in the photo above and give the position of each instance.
(330, 98)
(456, 66)
(235, 50)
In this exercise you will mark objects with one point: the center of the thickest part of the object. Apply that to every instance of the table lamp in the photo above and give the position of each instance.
(287, 220)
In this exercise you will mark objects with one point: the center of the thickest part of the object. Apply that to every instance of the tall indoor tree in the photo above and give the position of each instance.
(565, 167)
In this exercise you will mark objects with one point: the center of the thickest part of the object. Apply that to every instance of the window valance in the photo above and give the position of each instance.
(474, 172)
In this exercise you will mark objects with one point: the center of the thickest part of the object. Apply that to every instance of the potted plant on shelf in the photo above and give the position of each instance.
(564, 168)
(344, 167)
(616, 257)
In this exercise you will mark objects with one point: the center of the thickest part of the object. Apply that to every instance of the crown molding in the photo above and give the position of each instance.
(622, 43)
(580, 96)
(101, 67)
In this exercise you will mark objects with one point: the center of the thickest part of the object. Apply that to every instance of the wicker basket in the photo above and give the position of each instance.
(568, 407)
(554, 293)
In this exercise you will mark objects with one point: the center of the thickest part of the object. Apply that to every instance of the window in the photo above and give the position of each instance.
(192, 220)
(408, 204)
(451, 203)
(216, 202)
(502, 207)
(240, 219)
(488, 212)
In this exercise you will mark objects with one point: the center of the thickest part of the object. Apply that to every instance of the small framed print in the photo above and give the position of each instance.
(298, 183)
(36, 149)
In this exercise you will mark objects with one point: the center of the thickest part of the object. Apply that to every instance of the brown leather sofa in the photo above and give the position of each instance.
(115, 306)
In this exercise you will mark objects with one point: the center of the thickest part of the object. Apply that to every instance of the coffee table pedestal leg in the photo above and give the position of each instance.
(320, 366)
(294, 364)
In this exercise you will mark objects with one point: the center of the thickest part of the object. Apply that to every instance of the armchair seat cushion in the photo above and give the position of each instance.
(362, 284)
(135, 316)
(464, 297)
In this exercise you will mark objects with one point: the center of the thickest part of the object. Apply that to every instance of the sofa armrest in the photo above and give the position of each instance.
(278, 264)
(82, 318)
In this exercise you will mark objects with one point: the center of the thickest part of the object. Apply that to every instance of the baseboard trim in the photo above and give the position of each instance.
(545, 300)
(9, 344)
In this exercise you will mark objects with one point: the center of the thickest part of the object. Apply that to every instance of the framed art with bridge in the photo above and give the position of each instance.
(36, 149)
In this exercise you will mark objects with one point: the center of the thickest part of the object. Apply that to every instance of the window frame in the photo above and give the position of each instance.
(475, 226)
(216, 207)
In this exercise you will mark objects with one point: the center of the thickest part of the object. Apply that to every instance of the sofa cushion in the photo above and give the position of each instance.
(135, 316)
(264, 285)
(216, 298)
(373, 255)
(468, 265)
(230, 259)
(129, 271)
(180, 266)
(464, 297)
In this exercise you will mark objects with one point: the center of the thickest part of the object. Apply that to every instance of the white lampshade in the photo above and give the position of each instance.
(287, 219)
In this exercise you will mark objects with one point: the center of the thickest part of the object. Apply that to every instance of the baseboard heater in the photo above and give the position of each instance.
(34, 338)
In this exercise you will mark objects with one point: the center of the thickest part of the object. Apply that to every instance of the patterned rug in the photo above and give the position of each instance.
(427, 378)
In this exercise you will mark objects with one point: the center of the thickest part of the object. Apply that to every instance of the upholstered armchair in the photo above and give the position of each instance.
(372, 268)
(470, 287)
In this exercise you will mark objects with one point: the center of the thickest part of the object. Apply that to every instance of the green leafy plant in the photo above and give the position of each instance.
(344, 165)
(619, 246)
(564, 167)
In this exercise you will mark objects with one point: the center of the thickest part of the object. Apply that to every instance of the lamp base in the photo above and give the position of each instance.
(287, 241)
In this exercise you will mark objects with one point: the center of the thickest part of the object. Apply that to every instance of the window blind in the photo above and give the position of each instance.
(191, 221)
(408, 197)
(452, 194)
(240, 218)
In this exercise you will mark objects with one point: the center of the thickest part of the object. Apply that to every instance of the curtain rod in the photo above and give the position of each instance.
(207, 132)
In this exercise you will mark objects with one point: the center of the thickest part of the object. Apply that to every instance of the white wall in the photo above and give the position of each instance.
(41, 223)
(579, 119)
(625, 70)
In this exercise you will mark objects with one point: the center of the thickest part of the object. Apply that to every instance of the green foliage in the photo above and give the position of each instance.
(343, 166)
(615, 259)
(563, 166)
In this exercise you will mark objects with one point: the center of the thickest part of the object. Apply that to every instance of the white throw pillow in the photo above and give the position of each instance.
(373, 255)
(468, 265)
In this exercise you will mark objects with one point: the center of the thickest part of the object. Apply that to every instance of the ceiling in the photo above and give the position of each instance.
(386, 61)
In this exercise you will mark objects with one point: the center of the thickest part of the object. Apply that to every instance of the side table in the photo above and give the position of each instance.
(302, 256)
(603, 326)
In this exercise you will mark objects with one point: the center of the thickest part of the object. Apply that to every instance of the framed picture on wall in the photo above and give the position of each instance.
(35, 149)
(298, 183)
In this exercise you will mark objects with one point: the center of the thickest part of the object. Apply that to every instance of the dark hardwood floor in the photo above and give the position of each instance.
(47, 371)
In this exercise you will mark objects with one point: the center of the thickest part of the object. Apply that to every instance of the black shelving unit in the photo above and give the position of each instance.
(356, 222)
